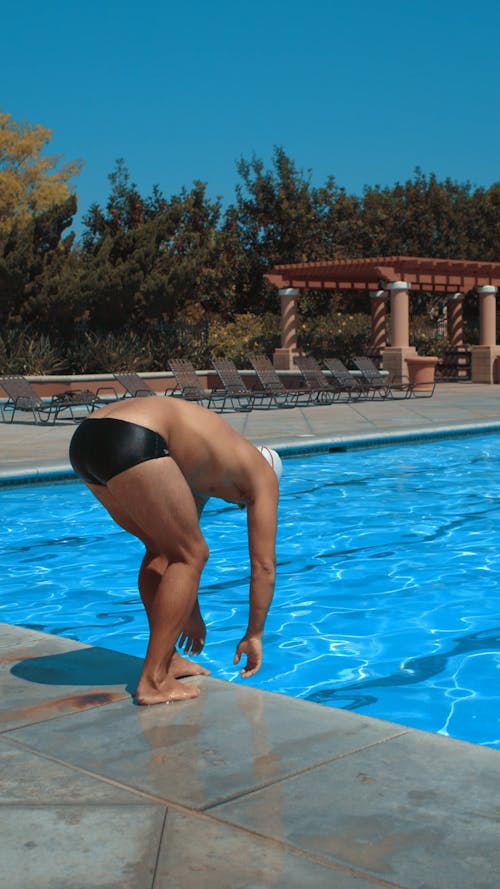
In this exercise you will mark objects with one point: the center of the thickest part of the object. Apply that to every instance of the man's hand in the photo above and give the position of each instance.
(252, 647)
(192, 638)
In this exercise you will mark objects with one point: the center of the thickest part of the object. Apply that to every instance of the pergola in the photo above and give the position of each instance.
(397, 276)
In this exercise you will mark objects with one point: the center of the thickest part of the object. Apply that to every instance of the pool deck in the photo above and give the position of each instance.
(239, 788)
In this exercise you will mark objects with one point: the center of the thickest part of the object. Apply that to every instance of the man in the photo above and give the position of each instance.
(153, 463)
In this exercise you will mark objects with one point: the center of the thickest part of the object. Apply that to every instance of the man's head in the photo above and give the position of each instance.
(273, 458)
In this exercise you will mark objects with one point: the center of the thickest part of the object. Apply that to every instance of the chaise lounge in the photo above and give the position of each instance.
(234, 384)
(23, 397)
(188, 387)
(380, 383)
(274, 387)
(354, 387)
(134, 386)
(322, 391)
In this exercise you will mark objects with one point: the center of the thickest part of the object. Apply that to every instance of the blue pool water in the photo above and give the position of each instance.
(388, 593)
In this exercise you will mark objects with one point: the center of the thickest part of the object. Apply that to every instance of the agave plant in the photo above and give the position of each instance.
(109, 353)
(22, 353)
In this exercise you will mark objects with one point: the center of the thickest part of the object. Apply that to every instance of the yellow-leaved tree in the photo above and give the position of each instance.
(30, 181)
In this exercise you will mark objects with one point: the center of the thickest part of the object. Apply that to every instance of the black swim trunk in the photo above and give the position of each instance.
(101, 449)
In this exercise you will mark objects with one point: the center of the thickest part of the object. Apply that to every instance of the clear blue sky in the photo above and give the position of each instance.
(362, 90)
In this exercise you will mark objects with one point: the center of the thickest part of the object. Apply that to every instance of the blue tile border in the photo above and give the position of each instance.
(34, 476)
(381, 439)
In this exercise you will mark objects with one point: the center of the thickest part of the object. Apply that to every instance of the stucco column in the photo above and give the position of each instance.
(487, 315)
(400, 314)
(455, 320)
(395, 356)
(485, 356)
(378, 310)
(283, 358)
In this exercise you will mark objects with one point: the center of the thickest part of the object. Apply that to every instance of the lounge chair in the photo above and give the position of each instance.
(380, 383)
(23, 397)
(236, 389)
(188, 387)
(273, 386)
(421, 389)
(353, 386)
(134, 386)
(322, 390)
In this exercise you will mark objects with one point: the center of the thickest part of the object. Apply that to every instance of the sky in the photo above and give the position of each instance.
(360, 90)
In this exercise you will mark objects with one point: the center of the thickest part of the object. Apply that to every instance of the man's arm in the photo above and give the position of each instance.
(262, 526)
(192, 638)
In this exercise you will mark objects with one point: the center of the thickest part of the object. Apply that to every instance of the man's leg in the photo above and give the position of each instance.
(159, 505)
(192, 637)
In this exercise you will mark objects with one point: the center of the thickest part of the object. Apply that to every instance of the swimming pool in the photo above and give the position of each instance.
(387, 600)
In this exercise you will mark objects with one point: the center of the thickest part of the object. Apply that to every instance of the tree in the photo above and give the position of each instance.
(30, 182)
(484, 224)
(150, 258)
(280, 217)
(426, 217)
(271, 223)
(33, 256)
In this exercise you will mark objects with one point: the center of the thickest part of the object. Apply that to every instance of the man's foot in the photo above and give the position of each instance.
(180, 667)
(164, 693)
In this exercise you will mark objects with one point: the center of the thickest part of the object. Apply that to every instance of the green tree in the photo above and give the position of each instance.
(32, 258)
(149, 258)
(271, 222)
(280, 217)
(484, 224)
(426, 217)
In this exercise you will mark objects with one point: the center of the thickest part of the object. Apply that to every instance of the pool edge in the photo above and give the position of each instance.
(62, 471)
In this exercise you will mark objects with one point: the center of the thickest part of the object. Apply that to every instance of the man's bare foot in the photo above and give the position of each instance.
(165, 692)
(180, 667)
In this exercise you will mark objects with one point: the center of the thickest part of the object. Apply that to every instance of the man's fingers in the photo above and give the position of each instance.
(184, 642)
(190, 646)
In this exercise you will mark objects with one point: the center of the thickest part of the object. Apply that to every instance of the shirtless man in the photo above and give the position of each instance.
(153, 463)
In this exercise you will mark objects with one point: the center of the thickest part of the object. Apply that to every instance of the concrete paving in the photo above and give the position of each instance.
(238, 788)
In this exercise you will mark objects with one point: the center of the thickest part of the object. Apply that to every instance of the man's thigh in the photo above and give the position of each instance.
(160, 505)
(117, 512)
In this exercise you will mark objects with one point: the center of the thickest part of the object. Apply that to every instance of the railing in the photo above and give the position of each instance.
(454, 365)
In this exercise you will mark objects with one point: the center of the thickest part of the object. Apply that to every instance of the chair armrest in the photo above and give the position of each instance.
(107, 389)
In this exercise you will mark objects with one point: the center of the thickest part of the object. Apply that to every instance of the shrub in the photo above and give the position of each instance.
(180, 340)
(109, 353)
(144, 348)
(335, 334)
(425, 336)
(248, 333)
(22, 353)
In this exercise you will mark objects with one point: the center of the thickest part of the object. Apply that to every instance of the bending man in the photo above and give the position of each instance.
(153, 463)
